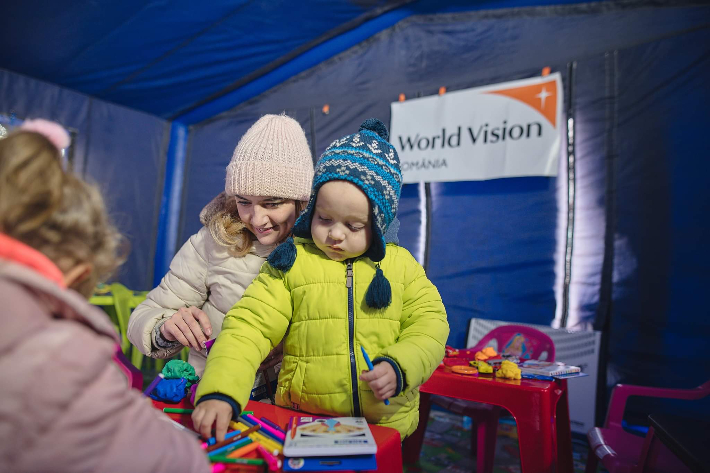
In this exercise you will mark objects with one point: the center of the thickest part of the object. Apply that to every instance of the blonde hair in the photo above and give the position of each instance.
(228, 230)
(55, 212)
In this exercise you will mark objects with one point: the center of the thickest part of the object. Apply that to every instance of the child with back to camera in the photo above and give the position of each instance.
(336, 288)
(66, 406)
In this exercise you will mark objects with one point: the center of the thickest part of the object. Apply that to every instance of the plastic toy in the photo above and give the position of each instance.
(508, 370)
(461, 369)
(483, 367)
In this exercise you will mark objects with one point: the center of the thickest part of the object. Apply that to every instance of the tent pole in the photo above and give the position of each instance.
(571, 180)
(169, 219)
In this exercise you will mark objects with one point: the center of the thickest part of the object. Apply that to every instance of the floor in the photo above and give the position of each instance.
(447, 447)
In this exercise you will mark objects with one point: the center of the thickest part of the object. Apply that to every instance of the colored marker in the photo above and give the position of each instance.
(269, 444)
(219, 468)
(294, 422)
(230, 448)
(233, 439)
(271, 461)
(247, 421)
(153, 384)
(213, 440)
(177, 410)
(370, 367)
(239, 461)
(281, 436)
(243, 451)
(268, 422)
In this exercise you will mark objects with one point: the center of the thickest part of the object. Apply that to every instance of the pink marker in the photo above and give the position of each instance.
(271, 461)
(219, 468)
(268, 428)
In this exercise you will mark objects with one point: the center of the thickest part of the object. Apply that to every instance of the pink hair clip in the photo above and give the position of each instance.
(54, 132)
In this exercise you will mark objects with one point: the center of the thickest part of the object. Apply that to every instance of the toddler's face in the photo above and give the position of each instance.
(341, 225)
(269, 218)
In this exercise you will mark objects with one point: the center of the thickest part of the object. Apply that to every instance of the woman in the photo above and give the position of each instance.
(268, 184)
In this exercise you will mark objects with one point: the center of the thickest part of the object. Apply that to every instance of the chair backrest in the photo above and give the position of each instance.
(135, 377)
(525, 342)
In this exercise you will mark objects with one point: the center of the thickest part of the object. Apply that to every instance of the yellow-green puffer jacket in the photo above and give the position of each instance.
(322, 356)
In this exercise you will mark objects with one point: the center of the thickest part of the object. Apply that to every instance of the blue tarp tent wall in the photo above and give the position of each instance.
(635, 96)
(121, 149)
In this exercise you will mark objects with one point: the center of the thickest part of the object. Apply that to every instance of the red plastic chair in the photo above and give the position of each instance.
(522, 341)
(135, 377)
(618, 450)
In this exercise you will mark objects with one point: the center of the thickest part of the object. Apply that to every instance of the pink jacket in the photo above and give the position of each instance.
(64, 404)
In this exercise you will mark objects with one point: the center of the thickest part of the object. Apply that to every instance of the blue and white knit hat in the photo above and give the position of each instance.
(369, 161)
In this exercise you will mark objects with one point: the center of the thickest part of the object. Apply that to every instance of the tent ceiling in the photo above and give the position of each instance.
(171, 57)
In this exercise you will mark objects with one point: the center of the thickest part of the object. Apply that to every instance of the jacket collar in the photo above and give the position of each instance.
(17, 252)
(262, 250)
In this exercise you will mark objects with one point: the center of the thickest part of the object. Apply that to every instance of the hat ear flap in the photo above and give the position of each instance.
(283, 257)
(379, 293)
(376, 251)
(302, 227)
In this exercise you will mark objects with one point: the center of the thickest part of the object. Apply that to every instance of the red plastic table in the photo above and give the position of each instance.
(389, 447)
(540, 409)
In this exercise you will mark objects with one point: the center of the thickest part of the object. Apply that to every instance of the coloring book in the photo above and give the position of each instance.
(328, 436)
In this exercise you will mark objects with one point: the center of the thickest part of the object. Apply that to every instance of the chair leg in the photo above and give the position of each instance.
(412, 445)
(487, 432)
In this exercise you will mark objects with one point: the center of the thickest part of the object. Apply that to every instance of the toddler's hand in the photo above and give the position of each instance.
(382, 380)
(189, 326)
(211, 412)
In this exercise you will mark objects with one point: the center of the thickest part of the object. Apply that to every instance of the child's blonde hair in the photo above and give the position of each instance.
(53, 211)
(228, 229)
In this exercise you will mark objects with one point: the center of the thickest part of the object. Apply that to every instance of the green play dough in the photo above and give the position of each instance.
(180, 369)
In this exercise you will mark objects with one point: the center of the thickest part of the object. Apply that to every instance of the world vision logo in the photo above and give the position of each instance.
(542, 97)
(480, 133)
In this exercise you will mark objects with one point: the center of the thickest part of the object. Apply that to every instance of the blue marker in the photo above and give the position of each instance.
(370, 367)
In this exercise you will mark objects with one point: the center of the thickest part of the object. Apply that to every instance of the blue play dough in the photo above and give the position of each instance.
(170, 390)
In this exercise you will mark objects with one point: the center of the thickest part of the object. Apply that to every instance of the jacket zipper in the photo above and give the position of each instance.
(351, 326)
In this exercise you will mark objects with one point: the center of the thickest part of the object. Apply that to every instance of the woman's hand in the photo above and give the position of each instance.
(189, 326)
(211, 412)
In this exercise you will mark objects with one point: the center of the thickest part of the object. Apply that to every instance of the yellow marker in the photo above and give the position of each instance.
(270, 444)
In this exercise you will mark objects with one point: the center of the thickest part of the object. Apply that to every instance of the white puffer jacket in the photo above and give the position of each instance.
(202, 274)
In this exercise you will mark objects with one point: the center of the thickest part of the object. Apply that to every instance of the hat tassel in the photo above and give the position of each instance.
(283, 256)
(379, 294)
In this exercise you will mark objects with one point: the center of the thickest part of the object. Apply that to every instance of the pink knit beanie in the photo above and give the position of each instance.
(271, 159)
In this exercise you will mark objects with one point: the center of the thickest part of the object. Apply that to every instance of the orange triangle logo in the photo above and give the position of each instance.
(542, 97)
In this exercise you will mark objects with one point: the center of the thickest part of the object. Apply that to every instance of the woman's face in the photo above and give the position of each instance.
(269, 218)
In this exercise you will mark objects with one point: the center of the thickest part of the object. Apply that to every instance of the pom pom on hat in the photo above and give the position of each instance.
(373, 124)
(54, 132)
(379, 292)
(283, 256)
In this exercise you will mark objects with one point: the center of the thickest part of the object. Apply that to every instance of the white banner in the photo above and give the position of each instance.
(503, 130)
